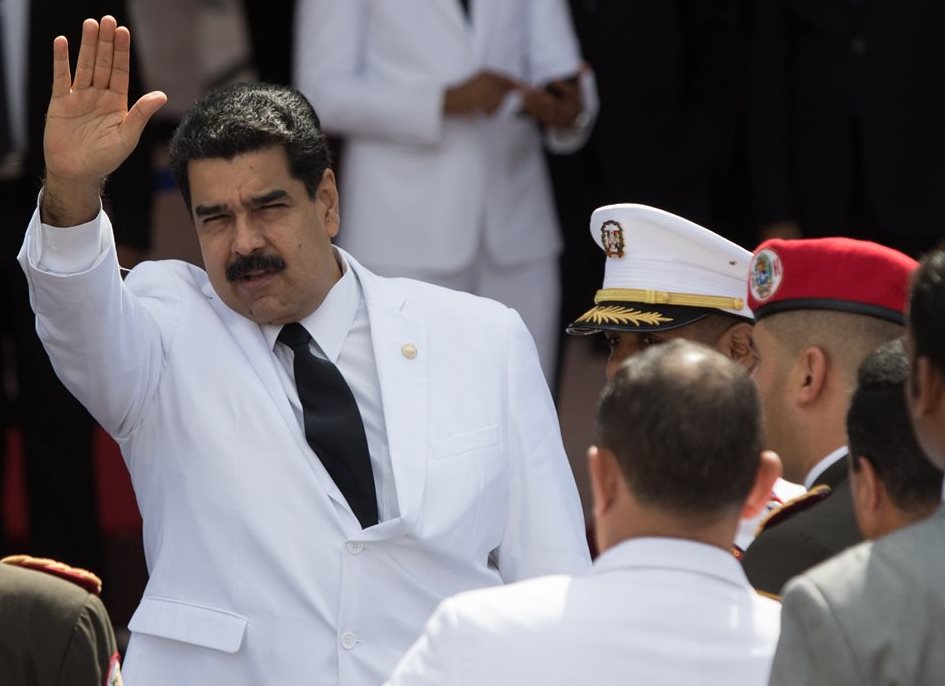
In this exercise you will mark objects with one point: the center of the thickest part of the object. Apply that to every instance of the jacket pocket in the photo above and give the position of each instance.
(188, 623)
(487, 437)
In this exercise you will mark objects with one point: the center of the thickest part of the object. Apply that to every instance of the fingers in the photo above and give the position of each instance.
(122, 64)
(62, 77)
(102, 72)
(85, 64)
(140, 113)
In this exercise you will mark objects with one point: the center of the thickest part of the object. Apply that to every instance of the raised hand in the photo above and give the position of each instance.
(89, 129)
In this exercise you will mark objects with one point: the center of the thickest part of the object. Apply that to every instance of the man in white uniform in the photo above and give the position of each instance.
(320, 455)
(444, 108)
(678, 461)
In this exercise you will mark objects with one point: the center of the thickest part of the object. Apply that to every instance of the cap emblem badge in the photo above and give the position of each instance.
(611, 237)
(766, 274)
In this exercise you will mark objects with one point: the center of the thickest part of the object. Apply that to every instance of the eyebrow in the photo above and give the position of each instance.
(257, 201)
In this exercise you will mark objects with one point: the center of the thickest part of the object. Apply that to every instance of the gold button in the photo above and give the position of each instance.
(409, 351)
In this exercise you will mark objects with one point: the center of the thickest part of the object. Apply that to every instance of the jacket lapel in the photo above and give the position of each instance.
(259, 357)
(401, 354)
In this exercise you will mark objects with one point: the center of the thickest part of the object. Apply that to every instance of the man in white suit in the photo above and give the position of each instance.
(873, 615)
(678, 460)
(443, 107)
(262, 567)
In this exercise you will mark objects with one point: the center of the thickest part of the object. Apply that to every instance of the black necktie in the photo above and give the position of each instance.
(465, 4)
(333, 425)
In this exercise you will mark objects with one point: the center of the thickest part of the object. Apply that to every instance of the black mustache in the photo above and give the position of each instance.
(244, 265)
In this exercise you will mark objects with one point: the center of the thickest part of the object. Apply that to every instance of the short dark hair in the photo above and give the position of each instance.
(927, 308)
(684, 422)
(879, 430)
(246, 117)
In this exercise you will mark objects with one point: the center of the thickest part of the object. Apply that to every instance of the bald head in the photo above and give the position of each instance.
(684, 423)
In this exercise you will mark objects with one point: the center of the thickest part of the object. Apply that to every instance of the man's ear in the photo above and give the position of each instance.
(605, 478)
(811, 375)
(869, 496)
(736, 343)
(327, 195)
(927, 387)
(769, 471)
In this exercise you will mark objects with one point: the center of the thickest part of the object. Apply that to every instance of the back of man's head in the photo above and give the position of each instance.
(880, 432)
(926, 338)
(684, 424)
(247, 117)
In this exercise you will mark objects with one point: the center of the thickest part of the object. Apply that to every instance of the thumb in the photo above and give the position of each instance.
(141, 113)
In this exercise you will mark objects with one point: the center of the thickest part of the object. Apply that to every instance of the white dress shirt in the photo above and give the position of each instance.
(824, 465)
(341, 334)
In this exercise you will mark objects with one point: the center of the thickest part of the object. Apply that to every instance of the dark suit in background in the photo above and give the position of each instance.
(805, 537)
(667, 75)
(57, 431)
(848, 118)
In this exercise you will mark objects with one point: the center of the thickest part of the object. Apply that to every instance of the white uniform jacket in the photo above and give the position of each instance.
(418, 189)
(257, 576)
(654, 611)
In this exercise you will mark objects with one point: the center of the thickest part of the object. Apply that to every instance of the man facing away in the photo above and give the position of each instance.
(678, 461)
(319, 455)
(821, 306)
(872, 616)
(892, 481)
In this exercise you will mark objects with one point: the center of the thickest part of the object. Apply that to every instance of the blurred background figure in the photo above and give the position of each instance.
(444, 108)
(54, 629)
(848, 119)
(892, 481)
(668, 76)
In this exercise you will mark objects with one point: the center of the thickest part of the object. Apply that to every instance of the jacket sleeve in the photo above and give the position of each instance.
(331, 44)
(105, 345)
(812, 650)
(545, 531)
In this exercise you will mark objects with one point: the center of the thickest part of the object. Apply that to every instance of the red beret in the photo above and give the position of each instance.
(840, 274)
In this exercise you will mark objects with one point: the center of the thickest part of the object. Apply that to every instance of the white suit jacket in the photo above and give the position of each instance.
(258, 572)
(874, 615)
(418, 189)
(653, 611)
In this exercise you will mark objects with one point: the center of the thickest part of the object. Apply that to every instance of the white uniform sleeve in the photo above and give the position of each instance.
(105, 346)
(329, 55)
(545, 532)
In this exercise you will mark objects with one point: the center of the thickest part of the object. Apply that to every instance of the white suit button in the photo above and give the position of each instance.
(348, 640)
(354, 547)
(409, 351)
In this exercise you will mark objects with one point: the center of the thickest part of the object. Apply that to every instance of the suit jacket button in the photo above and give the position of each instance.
(409, 351)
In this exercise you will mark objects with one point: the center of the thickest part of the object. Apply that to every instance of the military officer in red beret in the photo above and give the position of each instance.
(821, 306)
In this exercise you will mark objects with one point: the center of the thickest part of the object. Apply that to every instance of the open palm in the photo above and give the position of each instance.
(89, 128)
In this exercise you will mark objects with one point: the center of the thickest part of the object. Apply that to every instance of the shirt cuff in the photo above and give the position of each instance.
(71, 250)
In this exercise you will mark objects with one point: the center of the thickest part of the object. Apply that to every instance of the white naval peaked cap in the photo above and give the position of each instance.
(662, 272)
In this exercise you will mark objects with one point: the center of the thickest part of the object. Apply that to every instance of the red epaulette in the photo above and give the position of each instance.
(81, 577)
(793, 506)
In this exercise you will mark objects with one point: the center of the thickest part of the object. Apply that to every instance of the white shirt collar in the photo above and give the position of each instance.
(330, 323)
(672, 553)
(823, 466)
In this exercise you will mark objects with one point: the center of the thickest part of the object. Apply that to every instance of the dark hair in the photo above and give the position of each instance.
(246, 117)
(878, 429)
(927, 308)
(684, 422)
